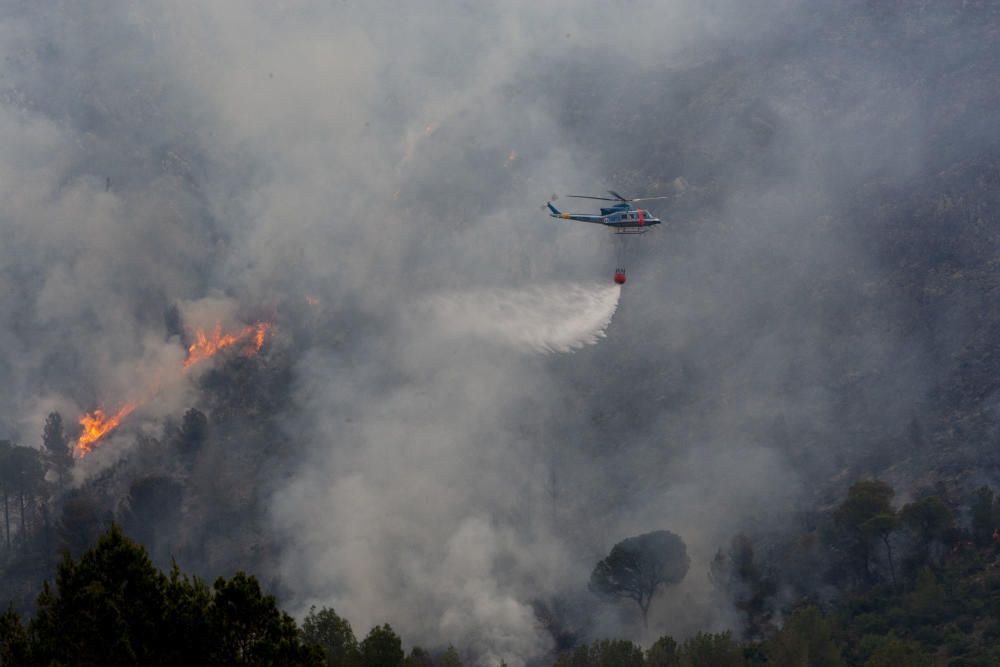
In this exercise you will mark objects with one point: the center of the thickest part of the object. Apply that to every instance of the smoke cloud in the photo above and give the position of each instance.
(423, 465)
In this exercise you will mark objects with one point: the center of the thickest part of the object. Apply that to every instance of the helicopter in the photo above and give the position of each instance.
(622, 217)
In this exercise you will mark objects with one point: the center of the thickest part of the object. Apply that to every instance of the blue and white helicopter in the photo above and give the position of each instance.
(623, 217)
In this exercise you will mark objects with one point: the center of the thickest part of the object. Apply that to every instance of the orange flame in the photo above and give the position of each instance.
(97, 425)
(206, 346)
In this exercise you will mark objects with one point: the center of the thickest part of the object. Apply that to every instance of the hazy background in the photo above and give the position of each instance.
(427, 461)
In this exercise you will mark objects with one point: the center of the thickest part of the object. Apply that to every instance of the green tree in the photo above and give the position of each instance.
(22, 478)
(663, 653)
(27, 474)
(883, 526)
(57, 449)
(638, 566)
(82, 522)
(450, 658)
(736, 573)
(893, 652)
(113, 607)
(418, 658)
(106, 609)
(186, 629)
(14, 645)
(708, 649)
(805, 640)
(249, 629)
(154, 512)
(615, 653)
(604, 653)
(856, 520)
(928, 600)
(326, 629)
(382, 648)
(929, 520)
(580, 657)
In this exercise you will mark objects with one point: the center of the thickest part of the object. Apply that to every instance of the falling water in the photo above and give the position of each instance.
(547, 318)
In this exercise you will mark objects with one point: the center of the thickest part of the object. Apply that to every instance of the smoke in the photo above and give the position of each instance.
(416, 466)
(543, 318)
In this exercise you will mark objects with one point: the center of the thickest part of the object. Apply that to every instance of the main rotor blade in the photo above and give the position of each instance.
(651, 198)
(618, 196)
(589, 197)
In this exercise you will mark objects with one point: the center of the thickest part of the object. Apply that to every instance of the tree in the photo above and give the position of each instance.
(106, 609)
(24, 474)
(883, 526)
(893, 652)
(805, 639)
(708, 649)
(14, 645)
(382, 648)
(638, 566)
(186, 630)
(928, 601)
(334, 635)
(929, 520)
(57, 447)
(615, 653)
(859, 527)
(6, 479)
(81, 523)
(249, 629)
(193, 432)
(663, 653)
(604, 653)
(418, 658)
(450, 658)
(154, 510)
(735, 572)
(113, 607)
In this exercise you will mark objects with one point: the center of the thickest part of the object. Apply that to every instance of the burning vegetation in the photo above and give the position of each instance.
(205, 345)
(98, 424)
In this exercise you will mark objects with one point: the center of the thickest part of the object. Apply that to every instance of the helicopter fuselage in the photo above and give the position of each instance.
(623, 218)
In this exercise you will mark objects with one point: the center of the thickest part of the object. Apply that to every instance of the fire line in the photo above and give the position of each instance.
(98, 424)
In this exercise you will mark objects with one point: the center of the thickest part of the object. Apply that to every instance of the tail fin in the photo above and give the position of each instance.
(552, 208)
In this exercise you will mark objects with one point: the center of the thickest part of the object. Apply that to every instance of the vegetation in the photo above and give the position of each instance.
(113, 607)
(639, 566)
(916, 584)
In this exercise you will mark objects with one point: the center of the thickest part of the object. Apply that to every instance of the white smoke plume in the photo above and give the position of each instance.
(543, 318)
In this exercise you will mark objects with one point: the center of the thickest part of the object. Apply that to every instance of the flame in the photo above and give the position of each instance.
(97, 425)
(206, 346)
(258, 337)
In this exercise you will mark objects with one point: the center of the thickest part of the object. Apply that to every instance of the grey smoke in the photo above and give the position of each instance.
(379, 156)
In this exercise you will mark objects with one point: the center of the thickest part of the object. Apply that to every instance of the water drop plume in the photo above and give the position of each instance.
(544, 318)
